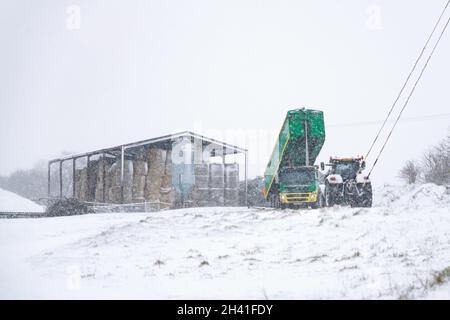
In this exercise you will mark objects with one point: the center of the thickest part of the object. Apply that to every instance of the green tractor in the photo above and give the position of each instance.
(345, 183)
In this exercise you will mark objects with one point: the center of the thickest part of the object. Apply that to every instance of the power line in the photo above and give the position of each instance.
(407, 79)
(410, 119)
(410, 94)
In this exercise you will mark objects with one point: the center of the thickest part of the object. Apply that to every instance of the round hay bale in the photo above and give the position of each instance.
(115, 194)
(232, 182)
(201, 181)
(216, 182)
(199, 194)
(216, 175)
(231, 194)
(166, 181)
(156, 156)
(155, 170)
(216, 170)
(216, 197)
(201, 169)
(152, 186)
(167, 197)
(83, 185)
(101, 182)
(139, 168)
(138, 187)
(231, 168)
(231, 175)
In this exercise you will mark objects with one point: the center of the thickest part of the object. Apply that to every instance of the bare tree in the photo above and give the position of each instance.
(32, 183)
(410, 172)
(434, 167)
(436, 163)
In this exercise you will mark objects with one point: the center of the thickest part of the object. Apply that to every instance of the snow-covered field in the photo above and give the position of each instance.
(394, 250)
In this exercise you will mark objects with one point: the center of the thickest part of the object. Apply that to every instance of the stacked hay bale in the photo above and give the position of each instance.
(115, 188)
(128, 182)
(108, 182)
(156, 163)
(101, 194)
(183, 181)
(99, 183)
(231, 184)
(216, 184)
(139, 177)
(92, 179)
(200, 191)
(167, 192)
(77, 183)
(81, 185)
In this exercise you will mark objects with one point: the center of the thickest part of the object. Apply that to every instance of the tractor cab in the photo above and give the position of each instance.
(347, 168)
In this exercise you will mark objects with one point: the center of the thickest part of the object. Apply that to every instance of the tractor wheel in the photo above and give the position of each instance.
(366, 200)
(329, 196)
(275, 201)
(272, 202)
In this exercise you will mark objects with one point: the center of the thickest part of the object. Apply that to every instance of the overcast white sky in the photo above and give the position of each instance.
(139, 69)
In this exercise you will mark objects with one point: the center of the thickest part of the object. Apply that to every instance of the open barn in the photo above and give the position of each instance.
(178, 170)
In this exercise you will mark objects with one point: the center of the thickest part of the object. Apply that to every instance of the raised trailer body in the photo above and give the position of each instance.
(290, 176)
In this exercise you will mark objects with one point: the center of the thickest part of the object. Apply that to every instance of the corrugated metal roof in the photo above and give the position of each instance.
(128, 148)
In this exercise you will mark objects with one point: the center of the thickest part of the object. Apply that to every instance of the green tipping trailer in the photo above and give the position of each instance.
(290, 177)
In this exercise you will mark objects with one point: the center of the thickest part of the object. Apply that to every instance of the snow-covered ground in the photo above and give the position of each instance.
(12, 202)
(393, 250)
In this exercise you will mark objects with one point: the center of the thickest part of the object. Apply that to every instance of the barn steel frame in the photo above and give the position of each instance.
(130, 151)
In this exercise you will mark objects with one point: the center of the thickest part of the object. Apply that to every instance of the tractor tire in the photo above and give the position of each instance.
(330, 196)
(366, 200)
(275, 201)
(271, 201)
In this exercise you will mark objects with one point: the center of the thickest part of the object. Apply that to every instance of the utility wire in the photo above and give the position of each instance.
(410, 119)
(407, 79)
(410, 94)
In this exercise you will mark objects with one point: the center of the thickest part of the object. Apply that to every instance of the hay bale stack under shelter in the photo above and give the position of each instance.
(92, 170)
(201, 175)
(231, 192)
(216, 197)
(216, 176)
(216, 184)
(167, 191)
(81, 187)
(156, 161)
(199, 196)
(139, 178)
(115, 188)
(101, 194)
